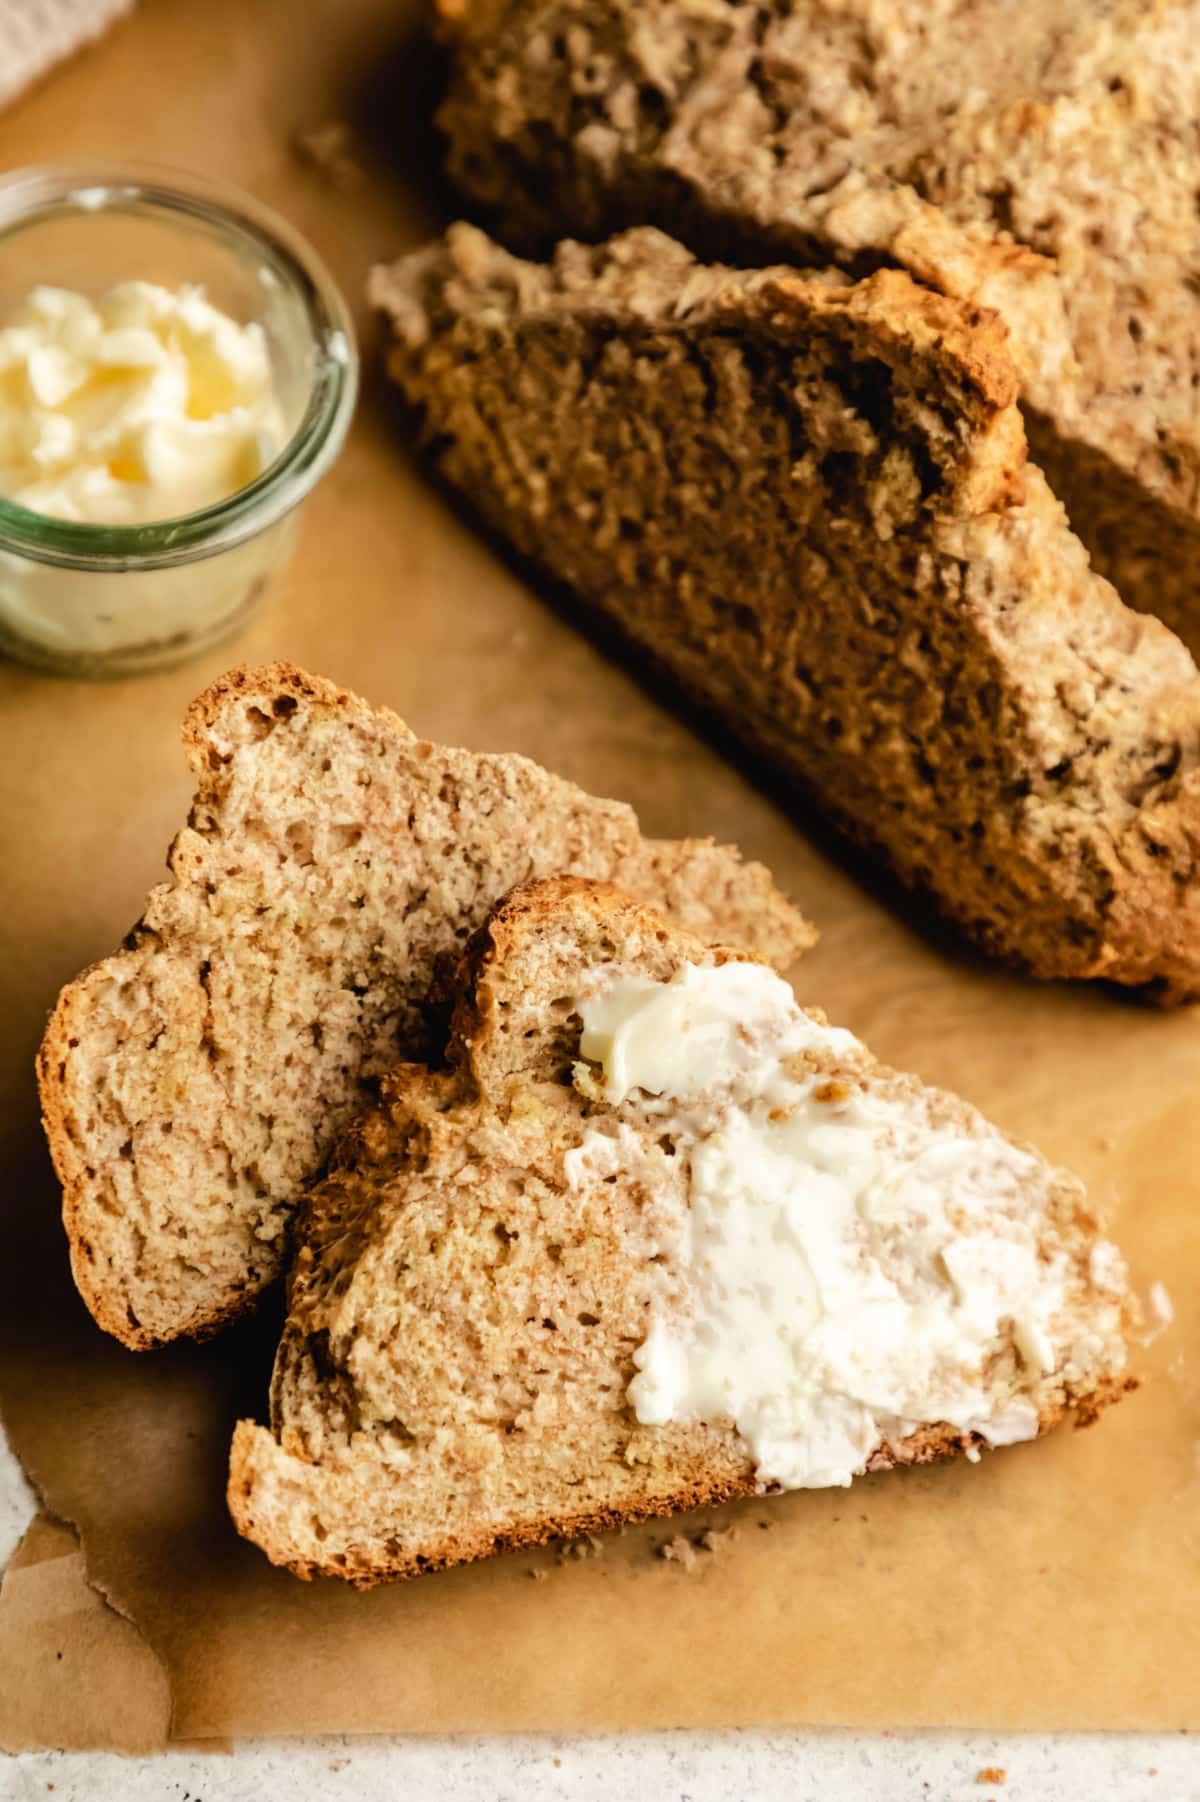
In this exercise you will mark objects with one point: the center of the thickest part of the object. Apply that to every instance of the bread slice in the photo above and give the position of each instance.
(1043, 160)
(192, 1082)
(808, 500)
(509, 1257)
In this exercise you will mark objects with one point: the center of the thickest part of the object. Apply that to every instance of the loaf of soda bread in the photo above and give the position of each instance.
(1040, 159)
(808, 500)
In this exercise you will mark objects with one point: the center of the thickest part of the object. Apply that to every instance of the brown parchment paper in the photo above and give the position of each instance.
(1054, 1585)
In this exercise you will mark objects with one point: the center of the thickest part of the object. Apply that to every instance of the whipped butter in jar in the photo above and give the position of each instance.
(176, 372)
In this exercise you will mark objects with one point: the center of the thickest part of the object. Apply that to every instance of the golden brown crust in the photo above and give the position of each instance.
(909, 322)
(463, 1548)
(508, 927)
(931, 1445)
(918, 319)
(281, 679)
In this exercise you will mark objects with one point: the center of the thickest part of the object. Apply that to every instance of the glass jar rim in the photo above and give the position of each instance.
(50, 190)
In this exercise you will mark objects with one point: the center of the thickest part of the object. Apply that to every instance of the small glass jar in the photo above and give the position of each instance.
(103, 600)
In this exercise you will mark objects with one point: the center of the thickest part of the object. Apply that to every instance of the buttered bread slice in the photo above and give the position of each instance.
(654, 1236)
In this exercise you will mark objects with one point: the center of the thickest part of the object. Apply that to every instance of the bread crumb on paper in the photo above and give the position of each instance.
(684, 1549)
(332, 151)
(714, 1539)
(588, 1546)
(679, 1550)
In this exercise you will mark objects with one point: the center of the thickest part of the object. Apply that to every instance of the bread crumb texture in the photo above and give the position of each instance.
(462, 1324)
(1038, 160)
(808, 500)
(194, 1081)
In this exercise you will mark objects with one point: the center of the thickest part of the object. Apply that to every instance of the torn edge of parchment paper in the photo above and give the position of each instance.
(76, 1671)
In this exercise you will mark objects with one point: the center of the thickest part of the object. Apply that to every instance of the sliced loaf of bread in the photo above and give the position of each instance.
(192, 1082)
(808, 500)
(1040, 159)
(651, 1237)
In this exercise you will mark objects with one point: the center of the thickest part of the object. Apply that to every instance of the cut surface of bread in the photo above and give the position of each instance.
(650, 1238)
(807, 499)
(192, 1082)
(1041, 159)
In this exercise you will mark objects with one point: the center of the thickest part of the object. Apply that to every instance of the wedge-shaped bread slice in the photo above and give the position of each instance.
(654, 1236)
(1040, 159)
(807, 499)
(194, 1081)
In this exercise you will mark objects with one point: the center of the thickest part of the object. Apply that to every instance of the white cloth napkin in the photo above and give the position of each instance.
(36, 34)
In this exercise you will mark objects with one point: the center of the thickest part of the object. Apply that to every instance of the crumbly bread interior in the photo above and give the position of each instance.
(807, 499)
(452, 1378)
(1039, 159)
(192, 1082)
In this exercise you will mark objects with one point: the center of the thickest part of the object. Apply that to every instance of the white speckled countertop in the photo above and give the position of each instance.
(667, 1767)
